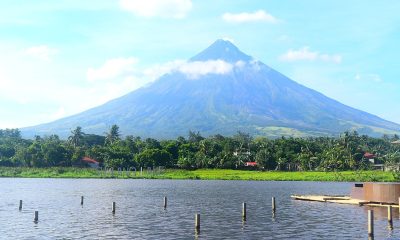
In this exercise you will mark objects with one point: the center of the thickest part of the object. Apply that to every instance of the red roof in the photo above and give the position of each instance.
(368, 155)
(89, 160)
(251, 164)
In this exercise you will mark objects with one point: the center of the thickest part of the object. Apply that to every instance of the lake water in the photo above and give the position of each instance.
(140, 213)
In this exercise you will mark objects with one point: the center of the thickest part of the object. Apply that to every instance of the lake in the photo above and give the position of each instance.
(140, 213)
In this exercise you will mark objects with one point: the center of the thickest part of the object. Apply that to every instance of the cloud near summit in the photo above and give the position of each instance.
(116, 68)
(196, 69)
(305, 54)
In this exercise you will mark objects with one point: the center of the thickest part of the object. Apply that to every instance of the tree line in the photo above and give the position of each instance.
(345, 152)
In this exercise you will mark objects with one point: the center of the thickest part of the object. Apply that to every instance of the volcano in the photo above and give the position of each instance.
(221, 90)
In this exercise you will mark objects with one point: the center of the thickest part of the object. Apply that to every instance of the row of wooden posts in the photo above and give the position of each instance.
(197, 216)
(244, 214)
(371, 220)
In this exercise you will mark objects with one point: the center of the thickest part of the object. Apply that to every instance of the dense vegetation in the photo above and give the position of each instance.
(294, 154)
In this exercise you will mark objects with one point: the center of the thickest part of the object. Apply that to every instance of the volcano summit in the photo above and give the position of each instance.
(221, 90)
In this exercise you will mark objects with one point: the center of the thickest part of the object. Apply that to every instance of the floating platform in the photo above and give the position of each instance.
(341, 200)
(362, 194)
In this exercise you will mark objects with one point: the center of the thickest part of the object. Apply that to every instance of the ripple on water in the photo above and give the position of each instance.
(140, 215)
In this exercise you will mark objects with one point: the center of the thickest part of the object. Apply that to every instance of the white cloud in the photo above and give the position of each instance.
(24, 79)
(155, 71)
(228, 39)
(192, 70)
(305, 54)
(257, 16)
(111, 69)
(41, 52)
(196, 69)
(157, 8)
(371, 77)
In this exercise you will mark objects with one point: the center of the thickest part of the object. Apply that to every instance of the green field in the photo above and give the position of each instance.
(206, 174)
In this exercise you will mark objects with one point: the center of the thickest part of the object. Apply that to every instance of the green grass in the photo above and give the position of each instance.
(206, 174)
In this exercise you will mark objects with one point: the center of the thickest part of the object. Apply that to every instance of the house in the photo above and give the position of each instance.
(377, 165)
(250, 164)
(91, 162)
(396, 142)
(370, 157)
(246, 154)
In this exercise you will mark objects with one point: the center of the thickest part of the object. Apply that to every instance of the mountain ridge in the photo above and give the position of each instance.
(236, 93)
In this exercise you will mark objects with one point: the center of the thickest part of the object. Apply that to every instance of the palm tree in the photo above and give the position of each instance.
(113, 135)
(76, 137)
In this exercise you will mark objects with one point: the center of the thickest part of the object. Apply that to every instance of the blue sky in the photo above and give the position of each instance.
(60, 57)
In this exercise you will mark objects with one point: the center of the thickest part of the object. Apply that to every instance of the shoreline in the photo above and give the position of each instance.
(199, 174)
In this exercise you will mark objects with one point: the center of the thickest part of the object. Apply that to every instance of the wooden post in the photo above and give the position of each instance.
(36, 219)
(273, 205)
(197, 222)
(390, 218)
(81, 200)
(20, 205)
(113, 208)
(399, 206)
(370, 223)
(165, 202)
(244, 214)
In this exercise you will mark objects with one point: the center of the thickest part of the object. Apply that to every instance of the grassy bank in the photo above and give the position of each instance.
(207, 174)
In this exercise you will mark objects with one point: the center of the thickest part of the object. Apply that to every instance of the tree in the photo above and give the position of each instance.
(195, 137)
(113, 135)
(76, 137)
(54, 152)
(91, 140)
(153, 158)
(118, 155)
(172, 147)
(186, 157)
(10, 133)
(265, 159)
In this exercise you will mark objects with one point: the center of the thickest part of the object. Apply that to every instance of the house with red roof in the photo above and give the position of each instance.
(375, 162)
(370, 156)
(91, 162)
(250, 164)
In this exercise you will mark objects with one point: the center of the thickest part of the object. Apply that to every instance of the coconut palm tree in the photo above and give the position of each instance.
(76, 137)
(113, 135)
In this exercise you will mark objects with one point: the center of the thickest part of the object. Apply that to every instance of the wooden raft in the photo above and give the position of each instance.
(341, 200)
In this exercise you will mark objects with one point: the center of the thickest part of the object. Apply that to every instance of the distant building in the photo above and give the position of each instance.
(396, 142)
(91, 162)
(247, 153)
(370, 157)
(377, 165)
(250, 164)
